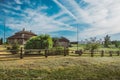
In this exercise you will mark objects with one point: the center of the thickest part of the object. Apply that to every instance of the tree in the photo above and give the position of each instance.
(92, 45)
(107, 41)
(116, 43)
(39, 42)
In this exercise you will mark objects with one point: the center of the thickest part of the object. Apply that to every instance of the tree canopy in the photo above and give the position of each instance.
(107, 41)
(39, 42)
(92, 44)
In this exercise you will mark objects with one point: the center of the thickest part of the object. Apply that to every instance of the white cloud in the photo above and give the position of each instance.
(18, 1)
(8, 9)
(103, 16)
(65, 9)
(39, 22)
(44, 7)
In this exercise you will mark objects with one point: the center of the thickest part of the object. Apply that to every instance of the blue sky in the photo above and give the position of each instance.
(94, 18)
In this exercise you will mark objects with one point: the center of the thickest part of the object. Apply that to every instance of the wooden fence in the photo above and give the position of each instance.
(46, 52)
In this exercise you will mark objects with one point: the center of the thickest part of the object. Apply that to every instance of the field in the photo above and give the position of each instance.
(61, 68)
(72, 67)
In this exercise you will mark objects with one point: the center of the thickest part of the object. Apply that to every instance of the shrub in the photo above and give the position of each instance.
(39, 42)
(15, 48)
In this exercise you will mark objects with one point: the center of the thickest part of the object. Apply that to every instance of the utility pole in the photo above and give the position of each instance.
(77, 38)
(4, 28)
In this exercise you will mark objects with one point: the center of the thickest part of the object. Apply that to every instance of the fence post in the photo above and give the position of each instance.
(92, 52)
(110, 52)
(64, 52)
(102, 53)
(67, 51)
(21, 53)
(80, 52)
(46, 53)
(118, 53)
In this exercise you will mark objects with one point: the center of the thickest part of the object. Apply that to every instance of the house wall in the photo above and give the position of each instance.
(64, 44)
(19, 41)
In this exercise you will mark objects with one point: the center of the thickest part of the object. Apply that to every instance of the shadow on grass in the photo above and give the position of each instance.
(9, 59)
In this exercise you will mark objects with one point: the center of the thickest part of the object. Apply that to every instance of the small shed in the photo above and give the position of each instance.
(62, 41)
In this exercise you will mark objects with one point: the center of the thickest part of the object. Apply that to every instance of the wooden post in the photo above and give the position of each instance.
(64, 52)
(39, 51)
(118, 53)
(21, 53)
(102, 53)
(92, 52)
(80, 52)
(67, 51)
(46, 53)
(110, 52)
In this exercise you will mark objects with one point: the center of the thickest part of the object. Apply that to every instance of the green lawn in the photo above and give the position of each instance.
(61, 68)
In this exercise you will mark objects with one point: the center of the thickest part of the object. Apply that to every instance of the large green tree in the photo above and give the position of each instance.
(39, 42)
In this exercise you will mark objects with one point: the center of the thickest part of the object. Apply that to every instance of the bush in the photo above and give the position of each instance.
(15, 48)
(39, 42)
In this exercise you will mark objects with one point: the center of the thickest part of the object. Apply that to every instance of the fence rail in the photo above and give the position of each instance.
(47, 52)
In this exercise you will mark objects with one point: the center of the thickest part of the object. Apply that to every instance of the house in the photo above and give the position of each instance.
(20, 37)
(64, 42)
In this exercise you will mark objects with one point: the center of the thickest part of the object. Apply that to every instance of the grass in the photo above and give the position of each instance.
(2, 47)
(71, 67)
(61, 68)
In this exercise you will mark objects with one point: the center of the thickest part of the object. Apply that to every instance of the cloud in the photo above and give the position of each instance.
(9, 9)
(44, 7)
(65, 9)
(103, 16)
(18, 1)
(39, 22)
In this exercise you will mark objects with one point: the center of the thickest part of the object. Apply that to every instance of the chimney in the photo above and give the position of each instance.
(30, 30)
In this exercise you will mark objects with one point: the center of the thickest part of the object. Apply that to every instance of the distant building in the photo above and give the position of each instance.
(64, 42)
(75, 42)
(20, 37)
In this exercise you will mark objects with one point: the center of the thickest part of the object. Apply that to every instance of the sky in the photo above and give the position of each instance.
(92, 18)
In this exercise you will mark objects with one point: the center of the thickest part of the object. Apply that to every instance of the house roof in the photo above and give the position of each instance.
(27, 34)
(63, 39)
